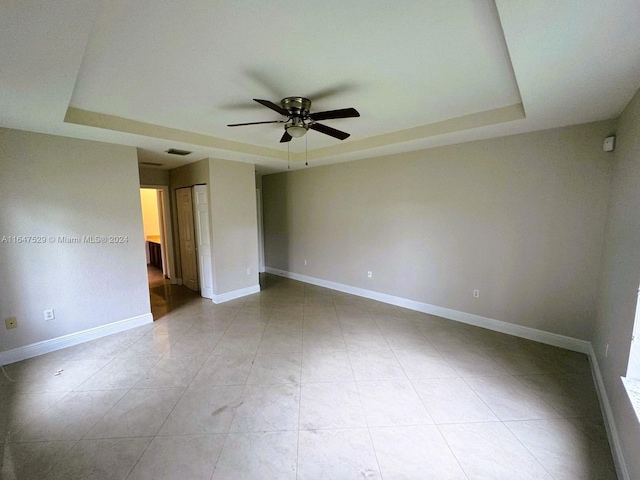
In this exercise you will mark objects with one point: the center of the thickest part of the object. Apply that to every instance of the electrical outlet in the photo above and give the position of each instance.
(11, 322)
(49, 315)
(305, 261)
(476, 293)
(369, 274)
(249, 271)
(606, 351)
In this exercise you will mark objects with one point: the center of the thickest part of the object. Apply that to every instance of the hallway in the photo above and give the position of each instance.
(165, 297)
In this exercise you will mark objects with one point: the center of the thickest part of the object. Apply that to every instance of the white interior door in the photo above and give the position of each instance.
(187, 240)
(203, 239)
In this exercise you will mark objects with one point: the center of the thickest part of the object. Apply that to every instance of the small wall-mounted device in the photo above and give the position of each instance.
(609, 143)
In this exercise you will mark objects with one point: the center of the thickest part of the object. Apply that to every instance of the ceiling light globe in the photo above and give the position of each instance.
(296, 131)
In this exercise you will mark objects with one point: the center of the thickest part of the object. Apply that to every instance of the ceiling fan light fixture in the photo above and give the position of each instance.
(297, 128)
(296, 131)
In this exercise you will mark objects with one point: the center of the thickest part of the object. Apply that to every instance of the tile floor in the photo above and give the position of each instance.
(302, 382)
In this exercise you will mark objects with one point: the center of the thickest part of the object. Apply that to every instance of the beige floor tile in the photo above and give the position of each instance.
(392, 402)
(375, 365)
(31, 461)
(238, 343)
(258, 456)
(190, 457)
(171, 372)
(283, 341)
(490, 450)
(72, 417)
(424, 363)
(326, 366)
(107, 459)
(195, 345)
(301, 381)
(510, 399)
(571, 394)
(119, 374)
(414, 452)
(226, 369)
(563, 449)
(203, 410)
(330, 405)
(17, 410)
(264, 408)
(275, 368)
(451, 400)
(336, 454)
(140, 413)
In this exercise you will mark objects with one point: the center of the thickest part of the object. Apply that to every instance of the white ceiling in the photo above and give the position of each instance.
(160, 74)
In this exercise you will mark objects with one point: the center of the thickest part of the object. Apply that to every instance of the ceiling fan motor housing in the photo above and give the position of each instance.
(297, 106)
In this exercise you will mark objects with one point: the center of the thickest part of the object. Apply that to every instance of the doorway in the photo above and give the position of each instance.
(157, 229)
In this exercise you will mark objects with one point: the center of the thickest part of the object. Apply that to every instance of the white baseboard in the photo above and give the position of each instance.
(541, 336)
(243, 292)
(609, 420)
(47, 346)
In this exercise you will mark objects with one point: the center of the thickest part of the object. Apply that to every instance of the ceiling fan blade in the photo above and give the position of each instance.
(286, 138)
(318, 127)
(272, 106)
(327, 92)
(331, 114)
(254, 123)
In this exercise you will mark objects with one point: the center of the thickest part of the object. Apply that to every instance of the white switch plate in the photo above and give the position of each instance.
(49, 315)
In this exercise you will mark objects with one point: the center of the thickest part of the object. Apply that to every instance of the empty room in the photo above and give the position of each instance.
(319, 240)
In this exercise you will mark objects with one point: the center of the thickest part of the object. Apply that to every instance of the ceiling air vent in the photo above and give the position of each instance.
(175, 151)
(150, 164)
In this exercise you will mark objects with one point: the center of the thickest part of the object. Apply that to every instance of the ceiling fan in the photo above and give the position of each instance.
(300, 120)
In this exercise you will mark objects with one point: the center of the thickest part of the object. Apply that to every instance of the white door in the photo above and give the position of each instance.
(203, 239)
(187, 241)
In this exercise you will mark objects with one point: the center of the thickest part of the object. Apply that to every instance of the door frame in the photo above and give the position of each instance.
(166, 233)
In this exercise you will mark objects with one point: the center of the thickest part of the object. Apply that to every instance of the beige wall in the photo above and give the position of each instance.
(520, 218)
(191, 174)
(153, 176)
(232, 210)
(149, 205)
(234, 225)
(620, 279)
(56, 186)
